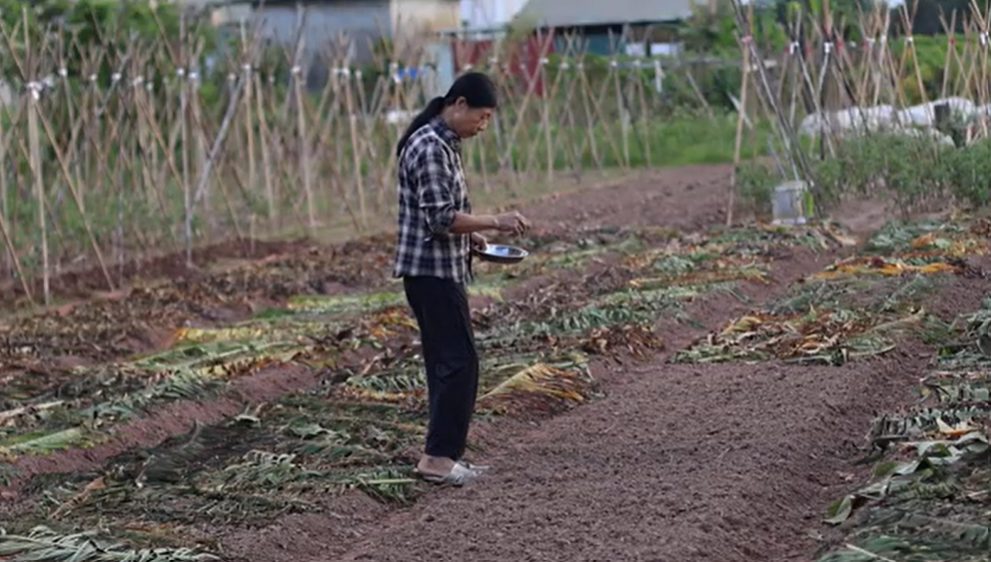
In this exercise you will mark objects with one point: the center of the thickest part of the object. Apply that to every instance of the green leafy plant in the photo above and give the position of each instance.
(45, 545)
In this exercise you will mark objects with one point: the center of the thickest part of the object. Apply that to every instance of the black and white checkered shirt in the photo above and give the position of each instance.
(431, 190)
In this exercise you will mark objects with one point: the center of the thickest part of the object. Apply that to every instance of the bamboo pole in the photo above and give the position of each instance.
(744, 81)
(356, 145)
(34, 144)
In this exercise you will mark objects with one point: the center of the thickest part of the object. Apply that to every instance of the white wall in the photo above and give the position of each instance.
(489, 13)
(416, 21)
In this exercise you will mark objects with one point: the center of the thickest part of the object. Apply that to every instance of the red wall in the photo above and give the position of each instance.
(477, 53)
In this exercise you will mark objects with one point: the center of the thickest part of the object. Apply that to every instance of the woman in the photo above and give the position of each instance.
(436, 233)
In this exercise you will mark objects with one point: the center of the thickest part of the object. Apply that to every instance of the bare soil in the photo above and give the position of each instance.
(91, 282)
(688, 198)
(720, 462)
(727, 462)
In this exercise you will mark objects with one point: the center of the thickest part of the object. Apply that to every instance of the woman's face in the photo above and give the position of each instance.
(469, 121)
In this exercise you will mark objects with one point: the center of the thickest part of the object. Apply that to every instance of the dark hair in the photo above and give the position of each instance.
(475, 87)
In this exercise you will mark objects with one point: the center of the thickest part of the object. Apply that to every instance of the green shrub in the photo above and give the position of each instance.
(913, 172)
(755, 184)
(970, 173)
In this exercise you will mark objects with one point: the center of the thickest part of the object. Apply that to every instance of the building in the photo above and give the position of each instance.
(631, 26)
(347, 32)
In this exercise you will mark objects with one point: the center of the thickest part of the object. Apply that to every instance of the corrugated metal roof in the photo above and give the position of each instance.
(564, 13)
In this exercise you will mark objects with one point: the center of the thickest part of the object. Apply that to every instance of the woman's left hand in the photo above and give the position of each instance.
(478, 242)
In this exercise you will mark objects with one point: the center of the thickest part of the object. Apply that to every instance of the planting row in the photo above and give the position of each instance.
(857, 307)
(928, 494)
(928, 497)
(360, 429)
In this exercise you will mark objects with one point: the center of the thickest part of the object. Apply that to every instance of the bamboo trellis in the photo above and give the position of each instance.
(164, 155)
(858, 88)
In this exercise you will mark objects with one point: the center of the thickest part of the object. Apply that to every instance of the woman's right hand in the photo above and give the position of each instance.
(513, 222)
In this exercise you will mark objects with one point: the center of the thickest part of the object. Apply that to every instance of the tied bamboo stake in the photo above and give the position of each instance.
(355, 146)
(265, 147)
(249, 124)
(187, 195)
(9, 258)
(304, 150)
(297, 90)
(77, 199)
(545, 115)
(624, 113)
(4, 214)
(739, 129)
(950, 31)
(34, 142)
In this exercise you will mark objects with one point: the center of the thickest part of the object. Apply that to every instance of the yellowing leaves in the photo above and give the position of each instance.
(204, 335)
(883, 266)
(637, 340)
(362, 394)
(822, 336)
(742, 325)
(923, 240)
(955, 430)
(931, 243)
(540, 387)
(385, 323)
(722, 271)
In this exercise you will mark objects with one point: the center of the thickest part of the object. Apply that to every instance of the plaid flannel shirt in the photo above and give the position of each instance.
(431, 190)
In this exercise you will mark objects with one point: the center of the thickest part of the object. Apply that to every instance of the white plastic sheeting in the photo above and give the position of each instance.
(915, 120)
(933, 134)
(850, 120)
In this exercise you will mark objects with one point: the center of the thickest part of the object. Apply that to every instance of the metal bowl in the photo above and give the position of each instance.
(498, 253)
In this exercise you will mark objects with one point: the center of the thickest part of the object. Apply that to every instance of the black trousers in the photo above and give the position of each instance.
(451, 360)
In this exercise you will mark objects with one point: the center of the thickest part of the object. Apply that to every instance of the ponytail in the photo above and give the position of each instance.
(432, 110)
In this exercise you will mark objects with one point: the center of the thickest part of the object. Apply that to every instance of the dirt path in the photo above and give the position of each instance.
(677, 462)
(730, 462)
(687, 198)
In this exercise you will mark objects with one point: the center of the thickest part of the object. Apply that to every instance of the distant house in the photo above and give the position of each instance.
(342, 32)
(604, 27)
(601, 23)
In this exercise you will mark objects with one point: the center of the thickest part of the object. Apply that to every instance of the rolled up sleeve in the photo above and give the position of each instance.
(434, 180)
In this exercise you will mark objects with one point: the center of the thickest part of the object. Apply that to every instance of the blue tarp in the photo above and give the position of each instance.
(407, 73)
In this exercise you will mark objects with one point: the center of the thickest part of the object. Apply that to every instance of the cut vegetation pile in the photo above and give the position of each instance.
(856, 307)
(927, 498)
(928, 495)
